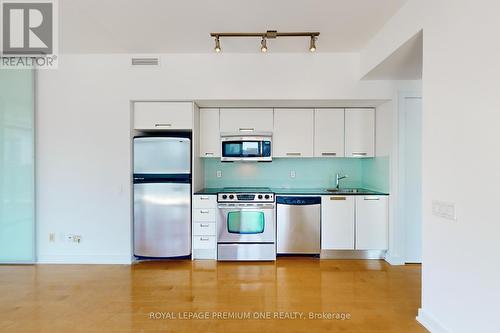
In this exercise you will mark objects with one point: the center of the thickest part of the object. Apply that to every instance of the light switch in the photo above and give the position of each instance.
(292, 174)
(219, 174)
(444, 210)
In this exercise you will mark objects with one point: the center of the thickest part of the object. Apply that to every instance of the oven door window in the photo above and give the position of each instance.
(245, 222)
(241, 149)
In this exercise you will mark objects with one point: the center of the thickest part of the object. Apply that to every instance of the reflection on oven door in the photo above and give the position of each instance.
(246, 225)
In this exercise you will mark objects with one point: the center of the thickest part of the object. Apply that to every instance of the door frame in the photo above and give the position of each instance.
(401, 183)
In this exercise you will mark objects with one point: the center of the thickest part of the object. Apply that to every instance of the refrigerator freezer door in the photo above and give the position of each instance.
(162, 220)
(162, 155)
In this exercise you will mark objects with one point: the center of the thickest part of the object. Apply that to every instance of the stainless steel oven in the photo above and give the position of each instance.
(252, 148)
(246, 226)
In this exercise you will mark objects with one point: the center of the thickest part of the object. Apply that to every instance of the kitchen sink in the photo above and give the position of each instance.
(342, 190)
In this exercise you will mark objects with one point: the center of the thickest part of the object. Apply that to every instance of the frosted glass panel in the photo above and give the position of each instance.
(16, 166)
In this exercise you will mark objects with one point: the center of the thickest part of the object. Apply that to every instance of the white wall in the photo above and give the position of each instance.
(83, 129)
(461, 118)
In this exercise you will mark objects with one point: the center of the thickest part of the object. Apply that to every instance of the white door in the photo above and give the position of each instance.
(372, 222)
(246, 120)
(360, 132)
(329, 133)
(293, 133)
(209, 133)
(163, 115)
(337, 222)
(412, 188)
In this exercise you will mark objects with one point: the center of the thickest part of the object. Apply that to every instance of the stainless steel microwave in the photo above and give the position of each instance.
(250, 148)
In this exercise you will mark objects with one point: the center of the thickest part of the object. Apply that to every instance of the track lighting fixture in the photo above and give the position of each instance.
(312, 45)
(269, 34)
(217, 44)
(263, 45)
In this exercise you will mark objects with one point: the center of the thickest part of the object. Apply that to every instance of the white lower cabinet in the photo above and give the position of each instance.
(372, 222)
(204, 228)
(337, 222)
(354, 222)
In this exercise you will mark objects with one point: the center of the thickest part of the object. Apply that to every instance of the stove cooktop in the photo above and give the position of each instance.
(246, 189)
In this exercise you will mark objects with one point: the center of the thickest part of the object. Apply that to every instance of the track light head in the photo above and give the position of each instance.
(217, 44)
(263, 45)
(312, 45)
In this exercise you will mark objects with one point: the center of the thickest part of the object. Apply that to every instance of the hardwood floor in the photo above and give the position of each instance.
(114, 298)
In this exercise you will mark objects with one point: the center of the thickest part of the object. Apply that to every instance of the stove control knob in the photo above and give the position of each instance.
(260, 196)
(224, 196)
(231, 196)
(267, 196)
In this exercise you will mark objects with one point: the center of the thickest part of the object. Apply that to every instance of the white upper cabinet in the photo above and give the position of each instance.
(360, 132)
(163, 115)
(246, 121)
(329, 133)
(209, 133)
(337, 222)
(293, 133)
(372, 222)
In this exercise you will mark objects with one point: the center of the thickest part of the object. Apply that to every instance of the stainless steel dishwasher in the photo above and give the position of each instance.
(298, 224)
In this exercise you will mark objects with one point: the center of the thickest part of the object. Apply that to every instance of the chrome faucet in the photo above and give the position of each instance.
(338, 178)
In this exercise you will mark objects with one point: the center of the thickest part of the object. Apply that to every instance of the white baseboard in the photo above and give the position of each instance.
(394, 260)
(111, 259)
(430, 322)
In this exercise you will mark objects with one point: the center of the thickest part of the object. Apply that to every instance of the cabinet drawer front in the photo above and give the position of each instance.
(204, 242)
(163, 115)
(202, 229)
(204, 214)
(205, 201)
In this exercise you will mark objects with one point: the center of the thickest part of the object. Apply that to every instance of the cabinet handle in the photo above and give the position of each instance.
(204, 211)
(209, 154)
(204, 198)
(359, 154)
(293, 154)
(163, 125)
(329, 154)
(203, 225)
(338, 198)
(371, 199)
(203, 239)
(246, 129)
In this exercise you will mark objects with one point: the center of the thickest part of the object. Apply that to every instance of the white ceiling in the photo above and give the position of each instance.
(183, 26)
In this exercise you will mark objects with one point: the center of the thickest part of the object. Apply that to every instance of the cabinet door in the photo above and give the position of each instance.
(329, 132)
(293, 133)
(337, 222)
(246, 120)
(360, 132)
(372, 221)
(209, 133)
(163, 115)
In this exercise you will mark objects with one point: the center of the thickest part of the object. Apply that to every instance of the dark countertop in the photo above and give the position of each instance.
(302, 191)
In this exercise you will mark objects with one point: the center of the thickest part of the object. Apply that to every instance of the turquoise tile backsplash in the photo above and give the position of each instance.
(376, 173)
(309, 173)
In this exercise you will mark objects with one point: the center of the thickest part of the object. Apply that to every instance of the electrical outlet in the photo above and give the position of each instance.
(444, 210)
(52, 237)
(73, 238)
(292, 174)
(219, 174)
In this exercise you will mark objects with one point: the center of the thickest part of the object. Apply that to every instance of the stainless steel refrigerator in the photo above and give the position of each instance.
(162, 196)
